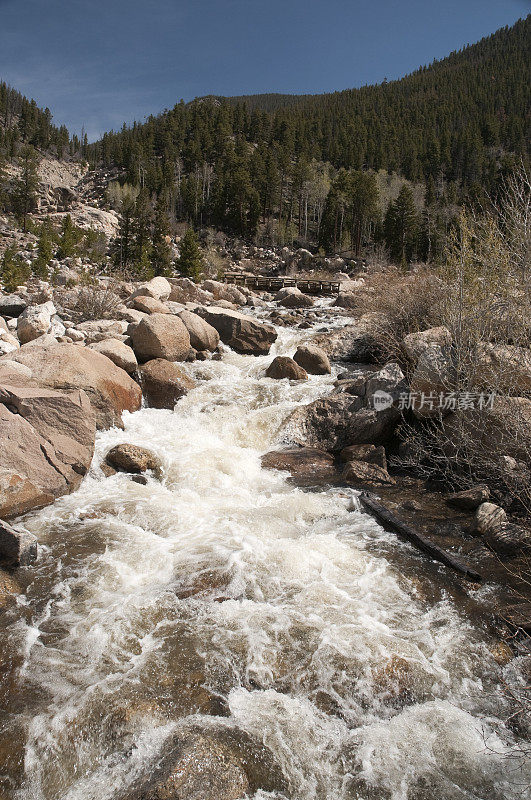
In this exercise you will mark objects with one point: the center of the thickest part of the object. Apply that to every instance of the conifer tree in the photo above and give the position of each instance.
(13, 270)
(44, 251)
(191, 260)
(25, 186)
(401, 226)
(69, 238)
(161, 248)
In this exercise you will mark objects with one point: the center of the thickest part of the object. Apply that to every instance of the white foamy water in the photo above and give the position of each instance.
(223, 590)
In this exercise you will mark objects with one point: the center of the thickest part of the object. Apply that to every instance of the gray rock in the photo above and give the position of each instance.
(285, 367)
(313, 359)
(241, 332)
(17, 548)
(469, 499)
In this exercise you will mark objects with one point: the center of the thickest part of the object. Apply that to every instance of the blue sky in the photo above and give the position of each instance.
(98, 63)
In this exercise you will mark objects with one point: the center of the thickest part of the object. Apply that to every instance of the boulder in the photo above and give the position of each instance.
(291, 297)
(183, 290)
(307, 465)
(68, 366)
(388, 381)
(11, 305)
(285, 367)
(365, 452)
(164, 383)
(202, 335)
(9, 589)
(313, 359)
(48, 441)
(347, 300)
(223, 291)
(8, 342)
(489, 519)
(509, 539)
(359, 342)
(469, 499)
(18, 548)
(414, 344)
(159, 288)
(160, 336)
(434, 375)
(98, 330)
(363, 473)
(118, 352)
(35, 321)
(150, 305)
(505, 368)
(132, 458)
(335, 422)
(241, 332)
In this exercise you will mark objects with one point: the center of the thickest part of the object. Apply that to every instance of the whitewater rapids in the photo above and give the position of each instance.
(279, 602)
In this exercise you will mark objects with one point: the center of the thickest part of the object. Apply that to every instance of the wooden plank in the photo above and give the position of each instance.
(388, 519)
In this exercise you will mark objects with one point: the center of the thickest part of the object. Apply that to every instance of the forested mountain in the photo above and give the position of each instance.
(457, 126)
(22, 122)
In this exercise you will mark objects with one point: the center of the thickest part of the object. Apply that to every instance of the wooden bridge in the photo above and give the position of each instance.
(276, 283)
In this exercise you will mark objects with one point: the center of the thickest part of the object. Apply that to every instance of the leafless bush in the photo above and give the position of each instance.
(97, 303)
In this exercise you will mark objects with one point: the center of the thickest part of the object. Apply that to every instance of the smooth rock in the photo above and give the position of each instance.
(164, 383)
(132, 458)
(489, 519)
(150, 305)
(203, 336)
(160, 336)
(35, 321)
(118, 352)
(241, 332)
(285, 367)
(313, 359)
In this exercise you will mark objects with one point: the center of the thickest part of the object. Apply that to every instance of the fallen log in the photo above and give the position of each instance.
(388, 519)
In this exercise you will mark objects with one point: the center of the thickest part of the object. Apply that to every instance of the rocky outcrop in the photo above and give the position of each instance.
(118, 352)
(313, 359)
(47, 445)
(414, 344)
(202, 335)
(160, 336)
(132, 458)
(67, 367)
(285, 367)
(164, 383)
(241, 332)
(335, 422)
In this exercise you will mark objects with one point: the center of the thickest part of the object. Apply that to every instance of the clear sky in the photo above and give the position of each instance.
(98, 63)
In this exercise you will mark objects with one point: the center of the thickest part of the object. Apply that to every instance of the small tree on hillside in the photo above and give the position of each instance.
(191, 259)
(24, 188)
(44, 251)
(13, 270)
(69, 238)
(161, 252)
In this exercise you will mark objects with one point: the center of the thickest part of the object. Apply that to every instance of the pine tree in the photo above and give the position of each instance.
(13, 270)
(25, 186)
(161, 247)
(191, 260)
(69, 239)
(44, 251)
(401, 226)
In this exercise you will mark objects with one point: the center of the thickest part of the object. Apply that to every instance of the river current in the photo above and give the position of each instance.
(222, 594)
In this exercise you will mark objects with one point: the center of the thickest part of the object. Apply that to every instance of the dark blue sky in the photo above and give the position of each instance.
(98, 63)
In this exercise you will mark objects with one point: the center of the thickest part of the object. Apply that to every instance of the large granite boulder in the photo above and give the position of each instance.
(159, 288)
(47, 445)
(241, 332)
(291, 297)
(202, 335)
(164, 383)
(160, 336)
(66, 367)
(118, 352)
(313, 359)
(285, 367)
(35, 321)
(414, 344)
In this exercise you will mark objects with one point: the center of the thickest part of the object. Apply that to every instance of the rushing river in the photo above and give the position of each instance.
(225, 595)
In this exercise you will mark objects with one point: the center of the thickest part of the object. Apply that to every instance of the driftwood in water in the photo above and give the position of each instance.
(389, 519)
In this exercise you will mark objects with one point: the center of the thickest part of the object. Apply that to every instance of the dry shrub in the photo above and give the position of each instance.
(97, 303)
(408, 303)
